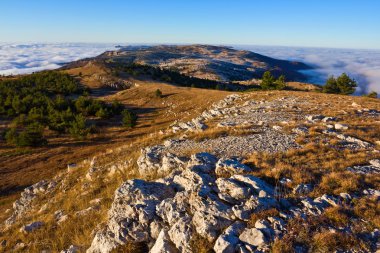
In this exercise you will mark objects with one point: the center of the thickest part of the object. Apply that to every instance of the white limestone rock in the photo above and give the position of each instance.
(228, 241)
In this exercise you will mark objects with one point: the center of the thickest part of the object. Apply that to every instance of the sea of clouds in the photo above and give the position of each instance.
(28, 58)
(363, 65)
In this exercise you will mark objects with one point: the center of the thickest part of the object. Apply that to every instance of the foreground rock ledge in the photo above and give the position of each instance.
(193, 201)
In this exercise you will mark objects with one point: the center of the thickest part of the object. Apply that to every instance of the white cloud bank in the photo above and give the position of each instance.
(363, 65)
(27, 58)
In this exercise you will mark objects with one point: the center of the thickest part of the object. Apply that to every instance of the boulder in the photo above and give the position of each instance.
(231, 166)
(163, 244)
(232, 190)
(254, 237)
(228, 241)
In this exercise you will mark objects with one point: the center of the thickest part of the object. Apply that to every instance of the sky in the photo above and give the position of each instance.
(311, 23)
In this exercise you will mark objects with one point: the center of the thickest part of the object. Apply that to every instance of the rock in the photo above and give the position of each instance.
(253, 204)
(339, 126)
(181, 233)
(232, 190)
(303, 189)
(254, 237)
(375, 162)
(277, 128)
(227, 242)
(204, 162)
(314, 118)
(345, 196)
(231, 166)
(31, 227)
(163, 244)
(60, 216)
(256, 183)
(71, 167)
(372, 192)
(23, 204)
(19, 246)
(300, 130)
(328, 119)
(3, 243)
(71, 249)
(152, 161)
(132, 212)
(103, 242)
(357, 141)
(364, 169)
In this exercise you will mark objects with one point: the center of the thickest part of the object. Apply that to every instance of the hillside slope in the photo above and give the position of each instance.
(260, 171)
(207, 62)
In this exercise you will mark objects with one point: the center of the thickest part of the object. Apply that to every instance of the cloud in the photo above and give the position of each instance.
(363, 65)
(28, 58)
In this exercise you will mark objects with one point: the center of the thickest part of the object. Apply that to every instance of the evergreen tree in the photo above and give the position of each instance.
(346, 84)
(268, 81)
(331, 86)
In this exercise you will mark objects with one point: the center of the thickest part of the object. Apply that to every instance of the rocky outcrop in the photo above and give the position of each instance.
(170, 211)
(24, 203)
(194, 201)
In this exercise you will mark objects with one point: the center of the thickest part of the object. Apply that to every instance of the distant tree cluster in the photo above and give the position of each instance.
(51, 100)
(340, 85)
(269, 82)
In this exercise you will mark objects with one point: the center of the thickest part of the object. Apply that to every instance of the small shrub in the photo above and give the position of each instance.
(129, 118)
(158, 93)
(372, 94)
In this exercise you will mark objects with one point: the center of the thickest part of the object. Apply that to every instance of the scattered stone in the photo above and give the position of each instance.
(364, 169)
(300, 130)
(303, 189)
(71, 249)
(339, 126)
(375, 162)
(71, 167)
(31, 227)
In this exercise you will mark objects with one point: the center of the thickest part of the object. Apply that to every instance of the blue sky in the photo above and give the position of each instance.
(311, 23)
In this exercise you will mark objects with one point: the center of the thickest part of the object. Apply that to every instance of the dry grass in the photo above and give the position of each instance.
(261, 215)
(317, 164)
(313, 233)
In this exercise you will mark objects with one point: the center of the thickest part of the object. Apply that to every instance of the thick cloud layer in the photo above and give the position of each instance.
(363, 65)
(27, 58)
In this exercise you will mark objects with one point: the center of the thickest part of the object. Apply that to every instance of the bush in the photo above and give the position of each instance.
(78, 127)
(31, 136)
(129, 118)
(341, 85)
(158, 93)
(372, 94)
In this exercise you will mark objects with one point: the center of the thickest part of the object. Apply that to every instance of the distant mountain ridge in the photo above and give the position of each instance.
(220, 63)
